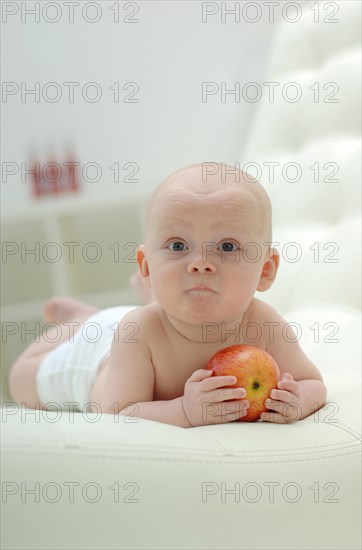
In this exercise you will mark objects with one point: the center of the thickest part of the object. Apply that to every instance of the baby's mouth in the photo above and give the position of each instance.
(201, 291)
(206, 288)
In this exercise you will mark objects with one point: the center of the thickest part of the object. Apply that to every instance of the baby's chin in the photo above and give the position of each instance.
(199, 308)
(201, 316)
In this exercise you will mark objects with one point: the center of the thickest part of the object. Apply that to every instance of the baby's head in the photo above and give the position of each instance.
(208, 225)
(219, 185)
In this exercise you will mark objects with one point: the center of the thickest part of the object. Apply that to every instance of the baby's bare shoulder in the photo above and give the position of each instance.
(144, 321)
(141, 313)
(283, 343)
(262, 312)
(272, 324)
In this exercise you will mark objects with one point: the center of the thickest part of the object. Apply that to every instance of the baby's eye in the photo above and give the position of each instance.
(177, 246)
(227, 246)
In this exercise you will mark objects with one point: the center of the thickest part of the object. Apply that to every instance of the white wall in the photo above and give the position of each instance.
(168, 53)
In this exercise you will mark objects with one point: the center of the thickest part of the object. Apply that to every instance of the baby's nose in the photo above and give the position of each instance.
(201, 264)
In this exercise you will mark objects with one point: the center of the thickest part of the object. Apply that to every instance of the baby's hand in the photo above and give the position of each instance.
(204, 399)
(285, 402)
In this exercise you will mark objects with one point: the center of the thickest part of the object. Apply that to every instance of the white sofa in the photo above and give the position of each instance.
(76, 481)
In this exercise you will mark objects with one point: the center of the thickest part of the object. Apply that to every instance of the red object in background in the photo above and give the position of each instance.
(54, 177)
(73, 174)
(35, 173)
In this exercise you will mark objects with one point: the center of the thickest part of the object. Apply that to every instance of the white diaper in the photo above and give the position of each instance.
(67, 374)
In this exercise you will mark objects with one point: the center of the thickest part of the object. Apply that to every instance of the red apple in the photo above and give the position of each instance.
(255, 370)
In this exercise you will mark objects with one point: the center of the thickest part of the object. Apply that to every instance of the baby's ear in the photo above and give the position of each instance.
(143, 265)
(141, 253)
(269, 272)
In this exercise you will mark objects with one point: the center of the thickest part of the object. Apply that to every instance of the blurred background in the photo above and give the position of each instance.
(102, 100)
(107, 96)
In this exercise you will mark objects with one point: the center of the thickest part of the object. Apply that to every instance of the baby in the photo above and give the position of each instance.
(207, 250)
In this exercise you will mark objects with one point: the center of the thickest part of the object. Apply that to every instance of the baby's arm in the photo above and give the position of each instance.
(301, 390)
(129, 384)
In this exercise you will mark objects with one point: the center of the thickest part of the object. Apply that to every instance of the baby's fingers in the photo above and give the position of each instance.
(291, 411)
(273, 417)
(199, 375)
(289, 385)
(283, 395)
(215, 382)
(286, 376)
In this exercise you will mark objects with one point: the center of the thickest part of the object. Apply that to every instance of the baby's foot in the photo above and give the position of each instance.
(60, 310)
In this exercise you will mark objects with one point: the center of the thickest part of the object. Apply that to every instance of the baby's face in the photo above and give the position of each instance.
(205, 240)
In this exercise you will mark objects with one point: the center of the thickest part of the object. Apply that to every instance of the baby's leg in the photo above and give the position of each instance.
(22, 377)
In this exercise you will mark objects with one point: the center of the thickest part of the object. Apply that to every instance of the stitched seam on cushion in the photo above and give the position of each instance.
(306, 450)
(163, 459)
(89, 444)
